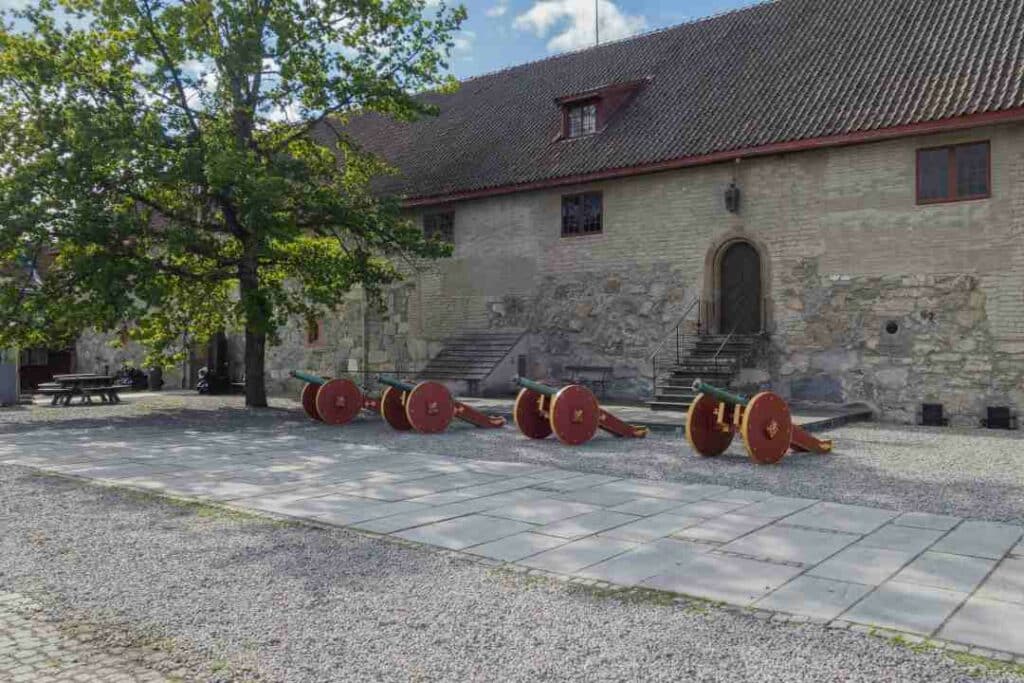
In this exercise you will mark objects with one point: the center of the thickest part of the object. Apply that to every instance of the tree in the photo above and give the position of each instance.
(160, 155)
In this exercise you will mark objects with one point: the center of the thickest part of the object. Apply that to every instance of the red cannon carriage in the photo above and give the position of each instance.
(428, 407)
(572, 413)
(763, 421)
(334, 401)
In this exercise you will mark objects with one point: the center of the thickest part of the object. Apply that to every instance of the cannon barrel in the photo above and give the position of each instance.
(534, 386)
(308, 378)
(720, 394)
(396, 383)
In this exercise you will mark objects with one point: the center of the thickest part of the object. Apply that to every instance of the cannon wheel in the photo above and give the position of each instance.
(309, 400)
(574, 415)
(767, 428)
(339, 401)
(392, 410)
(528, 417)
(702, 430)
(429, 407)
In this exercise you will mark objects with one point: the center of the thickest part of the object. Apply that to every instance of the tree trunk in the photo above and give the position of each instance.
(255, 333)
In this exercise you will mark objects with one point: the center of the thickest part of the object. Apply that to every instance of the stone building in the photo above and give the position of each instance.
(839, 184)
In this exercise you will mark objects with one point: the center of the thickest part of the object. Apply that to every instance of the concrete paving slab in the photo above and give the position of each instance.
(988, 623)
(709, 508)
(463, 532)
(855, 519)
(980, 539)
(895, 537)
(941, 570)
(351, 514)
(790, 544)
(542, 510)
(646, 506)
(410, 520)
(722, 529)
(736, 580)
(517, 547)
(444, 498)
(777, 507)
(1018, 550)
(863, 564)
(571, 558)
(586, 525)
(1006, 583)
(906, 607)
(601, 497)
(306, 507)
(924, 520)
(815, 597)
(742, 496)
(653, 527)
(663, 489)
(581, 481)
(644, 561)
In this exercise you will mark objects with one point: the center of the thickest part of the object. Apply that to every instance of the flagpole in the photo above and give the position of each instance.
(597, 27)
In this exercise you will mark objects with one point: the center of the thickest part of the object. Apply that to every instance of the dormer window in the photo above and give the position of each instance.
(581, 119)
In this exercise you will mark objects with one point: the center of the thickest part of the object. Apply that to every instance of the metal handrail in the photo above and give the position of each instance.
(674, 332)
(744, 295)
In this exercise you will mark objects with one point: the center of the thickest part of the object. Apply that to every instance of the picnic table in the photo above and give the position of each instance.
(66, 387)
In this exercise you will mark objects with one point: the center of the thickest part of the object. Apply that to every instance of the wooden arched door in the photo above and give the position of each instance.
(740, 280)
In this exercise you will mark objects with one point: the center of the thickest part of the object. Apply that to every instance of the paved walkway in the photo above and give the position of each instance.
(33, 650)
(936, 576)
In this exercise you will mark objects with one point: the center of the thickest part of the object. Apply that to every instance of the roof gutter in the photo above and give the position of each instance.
(924, 128)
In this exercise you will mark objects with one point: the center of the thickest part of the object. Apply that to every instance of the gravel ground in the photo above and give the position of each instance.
(969, 473)
(250, 598)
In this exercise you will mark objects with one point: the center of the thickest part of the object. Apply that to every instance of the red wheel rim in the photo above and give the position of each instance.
(339, 401)
(429, 407)
(528, 417)
(309, 400)
(392, 410)
(575, 415)
(702, 429)
(767, 428)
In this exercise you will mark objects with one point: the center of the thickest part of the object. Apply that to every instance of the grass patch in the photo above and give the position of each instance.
(976, 665)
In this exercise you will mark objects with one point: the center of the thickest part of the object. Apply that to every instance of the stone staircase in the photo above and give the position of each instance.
(674, 390)
(470, 358)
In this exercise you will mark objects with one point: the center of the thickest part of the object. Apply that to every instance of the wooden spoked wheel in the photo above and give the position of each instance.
(767, 428)
(528, 416)
(429, 407)
(702, 429)
(574, 415)
(393, 410)
(339, 401)
(309, 400)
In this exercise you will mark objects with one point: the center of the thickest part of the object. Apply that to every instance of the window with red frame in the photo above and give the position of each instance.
(954, 173)
(581, 119)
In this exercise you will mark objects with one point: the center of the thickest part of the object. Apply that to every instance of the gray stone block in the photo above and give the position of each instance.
(924, 520)
(742, 496)
(708, 508)
(644, 561)
(463, 532)
(790, 544)
(517, 547)
(777, 507)
(597, 496)
(941, 570)
(646, 506)
(988, 623)
(980, 539)
(542, 510)
(346, 512)
(571, 558)
(586, 525)
(1006, 583)
(906, 607)
(653, 527)
(814, 597)
(863, 564)
(735, 580)
(837, 517)
(896, 537)
(723, 529)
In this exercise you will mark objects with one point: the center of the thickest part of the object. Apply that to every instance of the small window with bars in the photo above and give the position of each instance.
(951, 174)
(581, 119)
(581, 214)
(440, 226)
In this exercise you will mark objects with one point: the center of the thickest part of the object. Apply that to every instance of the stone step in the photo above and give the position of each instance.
(669, 405)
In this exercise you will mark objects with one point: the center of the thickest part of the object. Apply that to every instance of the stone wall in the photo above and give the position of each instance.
(102, 352)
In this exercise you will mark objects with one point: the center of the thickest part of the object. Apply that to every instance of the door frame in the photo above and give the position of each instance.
(711, 300)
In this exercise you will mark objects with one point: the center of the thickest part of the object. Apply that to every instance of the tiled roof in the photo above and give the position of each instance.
(782, 71)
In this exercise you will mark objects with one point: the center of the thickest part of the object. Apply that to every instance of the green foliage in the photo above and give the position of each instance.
(180, 166)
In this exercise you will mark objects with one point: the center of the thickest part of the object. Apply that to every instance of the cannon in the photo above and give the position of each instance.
(571, 412)
(763, 421)
(334, 401)
(427, 407)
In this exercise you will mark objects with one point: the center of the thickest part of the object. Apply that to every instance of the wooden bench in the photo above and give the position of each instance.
(60, 394)
(593, 376)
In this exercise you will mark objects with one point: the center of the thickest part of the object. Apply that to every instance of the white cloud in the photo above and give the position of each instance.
(463, 41)
(498, 10)
(570, 23)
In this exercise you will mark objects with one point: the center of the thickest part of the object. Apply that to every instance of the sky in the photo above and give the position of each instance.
(502, 33)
